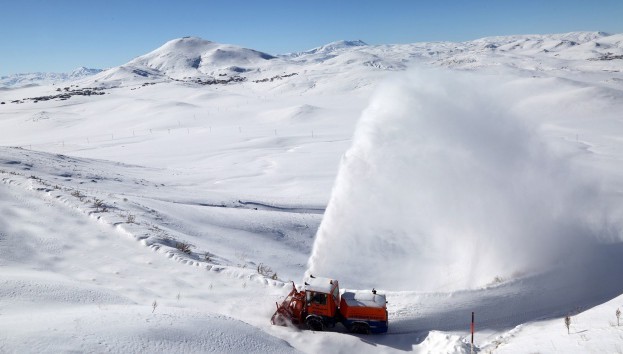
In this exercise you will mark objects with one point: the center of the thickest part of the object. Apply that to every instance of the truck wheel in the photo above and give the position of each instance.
(360, 328)
(314, 323)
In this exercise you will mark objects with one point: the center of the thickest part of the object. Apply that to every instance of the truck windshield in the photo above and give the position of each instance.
(319, 298)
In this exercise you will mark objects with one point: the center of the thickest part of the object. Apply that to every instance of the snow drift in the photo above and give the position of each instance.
(444, 188)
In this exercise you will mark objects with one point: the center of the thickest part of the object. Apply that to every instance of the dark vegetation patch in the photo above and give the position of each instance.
(607, 56)
(140, 72)
(65, 94)
(276, 77)
(213, 81)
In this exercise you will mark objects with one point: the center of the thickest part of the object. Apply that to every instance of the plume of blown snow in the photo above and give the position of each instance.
(444, 188)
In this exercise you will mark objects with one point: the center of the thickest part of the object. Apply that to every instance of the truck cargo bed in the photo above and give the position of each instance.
(358, 307)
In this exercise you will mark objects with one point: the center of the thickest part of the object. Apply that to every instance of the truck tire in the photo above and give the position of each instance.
(314, 323)
(360, 328)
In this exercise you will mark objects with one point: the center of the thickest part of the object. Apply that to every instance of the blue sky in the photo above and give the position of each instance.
(58, 36)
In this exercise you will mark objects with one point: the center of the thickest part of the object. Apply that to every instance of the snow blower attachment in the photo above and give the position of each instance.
(319, 306)
(290, 310)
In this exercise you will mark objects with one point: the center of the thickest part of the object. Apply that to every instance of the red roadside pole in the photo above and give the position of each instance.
(472, 330)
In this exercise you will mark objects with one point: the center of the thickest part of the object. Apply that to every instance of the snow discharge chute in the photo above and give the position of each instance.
(447, 187)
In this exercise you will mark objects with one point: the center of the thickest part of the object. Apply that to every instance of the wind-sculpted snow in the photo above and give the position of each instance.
(445, 188)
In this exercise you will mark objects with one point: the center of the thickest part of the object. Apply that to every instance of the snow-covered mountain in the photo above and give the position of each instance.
(192, 57)
(139, 204)
(330, 48)
(29, 79)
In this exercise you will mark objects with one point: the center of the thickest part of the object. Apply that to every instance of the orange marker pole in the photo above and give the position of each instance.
(472, 330)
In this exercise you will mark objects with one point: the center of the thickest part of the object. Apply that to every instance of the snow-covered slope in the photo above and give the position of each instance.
(142, 202)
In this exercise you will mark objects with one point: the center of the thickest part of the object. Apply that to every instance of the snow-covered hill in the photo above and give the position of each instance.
(190, 57)
(139, 204)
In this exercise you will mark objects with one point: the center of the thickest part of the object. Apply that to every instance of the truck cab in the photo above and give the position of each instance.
(322, 297)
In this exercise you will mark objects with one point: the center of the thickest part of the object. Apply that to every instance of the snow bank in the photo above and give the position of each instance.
(133, 329)
(444, 188)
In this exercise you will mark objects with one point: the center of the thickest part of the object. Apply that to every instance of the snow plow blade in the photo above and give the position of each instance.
(290, 310)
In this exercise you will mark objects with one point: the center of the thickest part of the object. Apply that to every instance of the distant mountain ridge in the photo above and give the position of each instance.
(42, 78)
(331, 47)
(194, 59)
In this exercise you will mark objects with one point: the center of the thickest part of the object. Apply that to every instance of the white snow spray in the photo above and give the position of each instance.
(445, 188)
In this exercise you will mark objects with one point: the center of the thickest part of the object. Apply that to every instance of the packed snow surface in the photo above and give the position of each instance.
(165, 205)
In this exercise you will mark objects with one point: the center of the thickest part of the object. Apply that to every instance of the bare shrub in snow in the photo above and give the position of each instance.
(618, 314)
(99, 204)
(153, 306)
(568, 323)
(78, 195)
(130, 219)
(266, 271)
(184, 247)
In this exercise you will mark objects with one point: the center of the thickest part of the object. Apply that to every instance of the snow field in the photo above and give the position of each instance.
(243, 173)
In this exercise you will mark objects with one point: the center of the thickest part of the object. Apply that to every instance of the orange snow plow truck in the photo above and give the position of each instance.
(320, 305)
